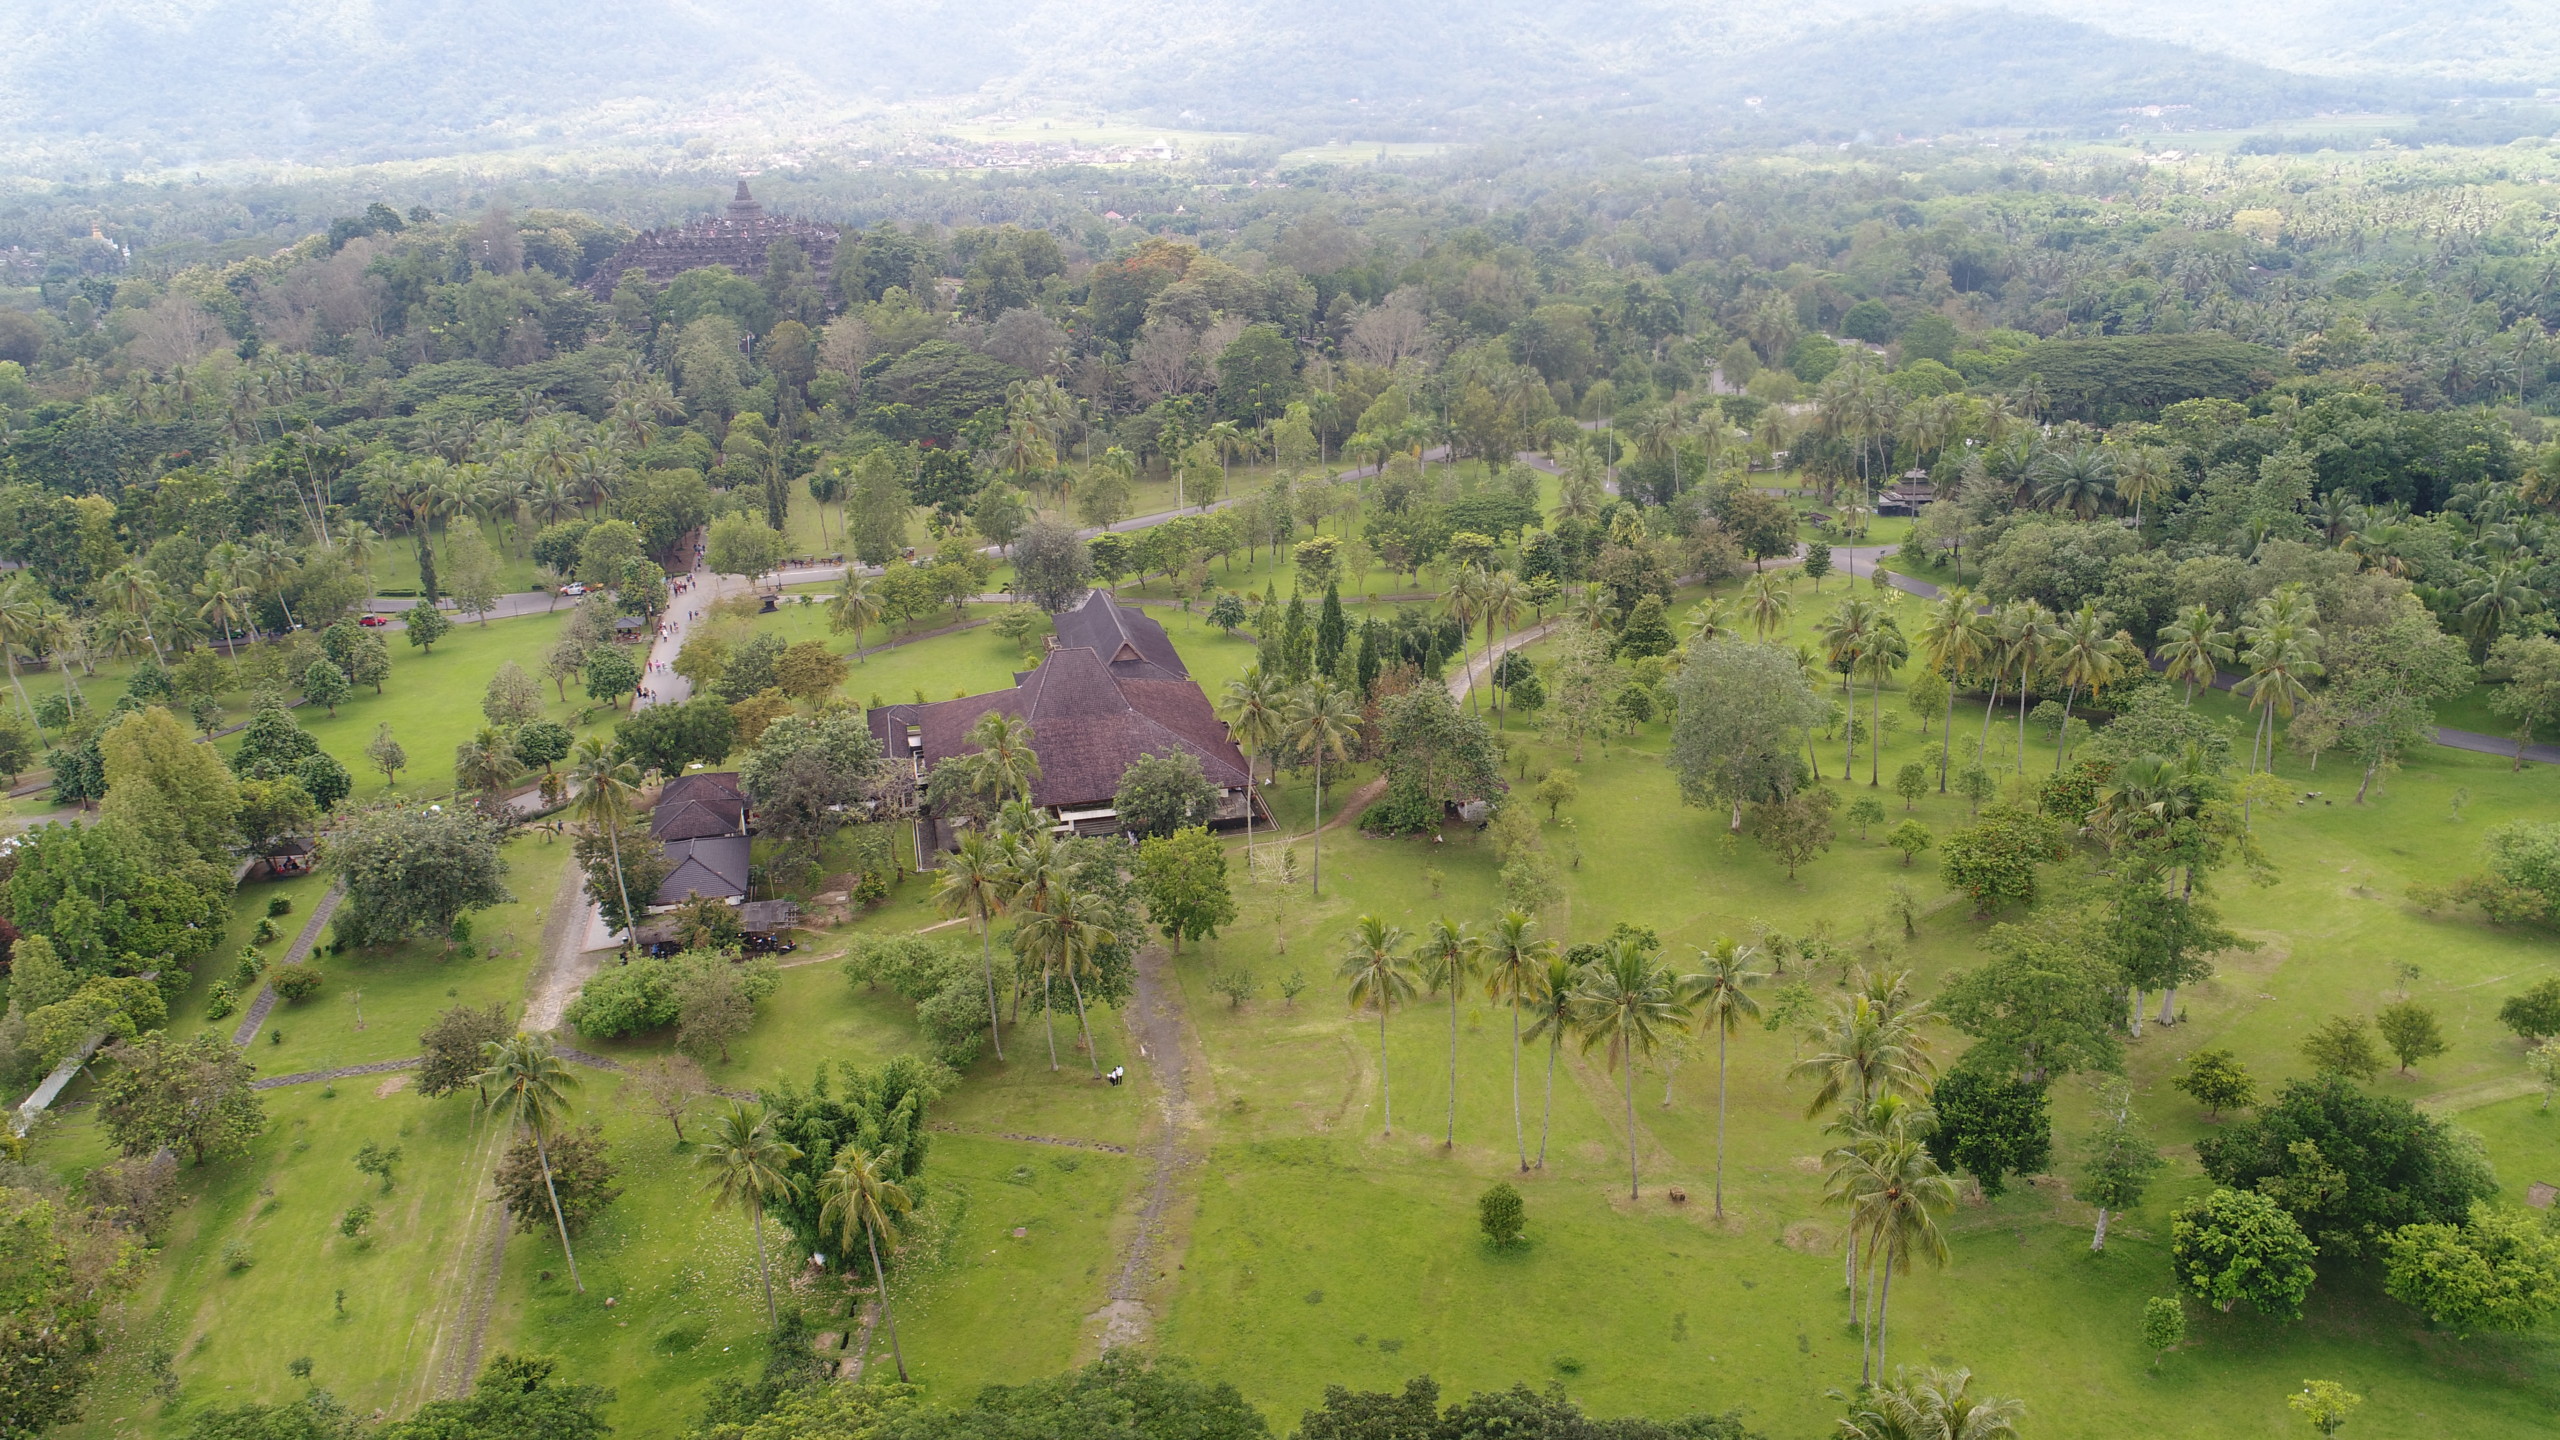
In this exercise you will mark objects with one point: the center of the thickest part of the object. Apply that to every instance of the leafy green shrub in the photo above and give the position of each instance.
(1501, 1214)
(296, 982)
(279, 905)
(220, 1001)
(640, 994)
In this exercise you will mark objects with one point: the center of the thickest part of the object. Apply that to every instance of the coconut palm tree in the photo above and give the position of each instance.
(1379, 974)
(1955, 638)
(522, 1080)
(1585, 481)
(1880, 654)
(2080, 480)
(748, 1164)
(1718, 995)
(857, 607)
(1845, 634)
(1871, 1046)
(1256, 707)
(1769, 601)
(2283, 652)
(137, 591)
(2087, 658)
(857, 1196)
(485, 762)
(1549, 1001)
(1515, 966)
(22, 619)
(1320, 721)
(2195, 646)
(2141, 474)
(1505, 596)
(1466, 594)
(2025, 630)
(971, 882)
(1900, 1194)
(2493, 600)
(1006, 764)
(1626, 1005)
(606, 785)
(1450, 955)
(1711, 621)
(1035, 878)
(1932, 1405)
(1067, 931)
(1842, 631)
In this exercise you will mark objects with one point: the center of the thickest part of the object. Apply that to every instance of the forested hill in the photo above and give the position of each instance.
(137, 85)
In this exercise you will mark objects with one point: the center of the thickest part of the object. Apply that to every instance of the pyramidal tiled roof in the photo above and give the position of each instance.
(1091, 715)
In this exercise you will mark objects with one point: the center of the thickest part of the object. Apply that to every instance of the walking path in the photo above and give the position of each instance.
(265, 1003)
(45, 1094)
(1155, 1020)
(565, 963)
(343, 1072)
(1861, 561)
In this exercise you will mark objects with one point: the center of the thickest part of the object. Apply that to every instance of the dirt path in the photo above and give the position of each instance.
(454, 1323)
(1155, 1020)
(562, 969)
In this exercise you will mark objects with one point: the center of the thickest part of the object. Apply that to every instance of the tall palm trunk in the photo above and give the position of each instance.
(1875, 731)
(1049, 1019)
(1546, 1121)
(1450, 1141)
(1250, 761)
(1315, 889)
(543, 1154)
(1947, 736)
(1721, 1038)
(887, 1310)
(1519, 1131)
(1632, 1183)
(762, 1268)
(2022, 726)
(987, 959)
(1386, 1089)
(2062, 737)
(1884, 1308)
(9, 653)
(1982, 746)
(1092, 1052)
(630, 922)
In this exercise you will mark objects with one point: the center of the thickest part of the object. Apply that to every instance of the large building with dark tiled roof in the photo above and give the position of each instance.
(1110, 689)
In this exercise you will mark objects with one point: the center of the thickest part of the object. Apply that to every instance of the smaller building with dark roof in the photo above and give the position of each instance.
(703, 822)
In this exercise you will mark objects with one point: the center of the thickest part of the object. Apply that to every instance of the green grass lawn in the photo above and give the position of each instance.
(395, 564)
(431, 702)
(1313, 1248)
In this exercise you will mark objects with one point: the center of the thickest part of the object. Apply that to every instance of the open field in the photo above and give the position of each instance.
(1304, 1245)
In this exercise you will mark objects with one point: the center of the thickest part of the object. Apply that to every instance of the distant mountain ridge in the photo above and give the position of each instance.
(162, 84)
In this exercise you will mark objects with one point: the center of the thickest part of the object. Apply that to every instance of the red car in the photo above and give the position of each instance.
(372, 621)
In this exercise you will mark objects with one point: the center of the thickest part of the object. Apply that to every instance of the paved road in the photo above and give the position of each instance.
(522, 602)
(1860, 560)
